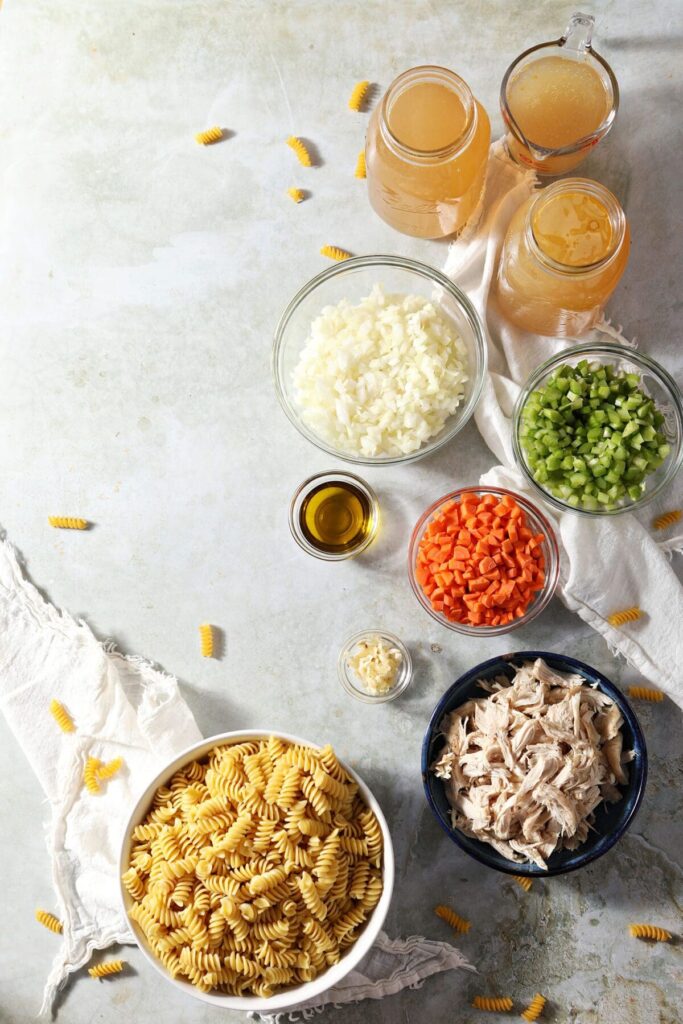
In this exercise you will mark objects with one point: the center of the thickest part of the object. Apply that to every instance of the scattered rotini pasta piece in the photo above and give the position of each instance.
(622, 617)
(61, 716)
(360, 91)
(524, 881)
(109, 770)
(104, 970)
(649, 931)
(296, 194)
(209, 136)
(67, 523)
(535, 1008)
(492, 1003)
(49, 921)
(645, 693)
(667, 519)
(361, 170)
(459, 924)
(206, 640)
(90, 775)
(333, 252)
(299, 147)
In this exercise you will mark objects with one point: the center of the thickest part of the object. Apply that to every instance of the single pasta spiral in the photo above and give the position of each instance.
(209, 136)
(299, 147)
(622, 617)
(49, 921)
(492, 1003)
(61, 716)
(361, 170)
(535, 1008)
(459, 924)
(649, 931)
(108, 770)
(524, 881)
(296, 194)
(90, 775)
(668, 519)
(645, 693)
(206, 640)
(103, 970)
(333, 252)
(360, 91)
(67, 523)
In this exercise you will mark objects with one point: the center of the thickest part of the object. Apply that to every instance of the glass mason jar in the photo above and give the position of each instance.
(426, 153)
(563, 255)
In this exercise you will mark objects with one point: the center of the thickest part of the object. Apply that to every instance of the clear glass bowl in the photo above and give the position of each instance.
(537, 524)
(300, 496)
(351, 682)
(353, 280)
(655, 381)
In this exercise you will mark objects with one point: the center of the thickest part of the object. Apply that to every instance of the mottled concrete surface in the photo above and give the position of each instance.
(140, 280)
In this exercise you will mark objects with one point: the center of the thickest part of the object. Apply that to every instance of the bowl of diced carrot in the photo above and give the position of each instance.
(483, 560)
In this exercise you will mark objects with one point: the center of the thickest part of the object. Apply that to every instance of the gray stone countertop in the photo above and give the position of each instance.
(140, 281)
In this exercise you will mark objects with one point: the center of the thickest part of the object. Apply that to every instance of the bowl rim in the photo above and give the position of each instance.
(306, 990)
(462, 414)
(614, 350)
(345, 675)
(552, 568)
(606, 686)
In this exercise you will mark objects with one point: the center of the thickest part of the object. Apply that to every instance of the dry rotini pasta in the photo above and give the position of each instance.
(61, 716)
(105, 969)
(206, 640)
(296, 194)
(535, 1008)
(49, 921)
(333, 252)
(493, 1004)
(645, 693)
(91, 775)
(360, 91)
(301, 150)
(524, 881)
(208, 137)
(649, 931)
(361, 170)
(626, 615)
(109, 770)
(459, 924)
(255, 867)
(667, 519)
(67, 523)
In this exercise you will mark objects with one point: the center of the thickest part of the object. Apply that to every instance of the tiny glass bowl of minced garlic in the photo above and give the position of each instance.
(374, 666)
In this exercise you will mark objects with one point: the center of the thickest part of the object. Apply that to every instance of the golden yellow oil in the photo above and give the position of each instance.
(336, 517)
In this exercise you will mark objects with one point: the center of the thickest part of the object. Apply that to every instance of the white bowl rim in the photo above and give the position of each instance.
(334, 974)
(462, 414)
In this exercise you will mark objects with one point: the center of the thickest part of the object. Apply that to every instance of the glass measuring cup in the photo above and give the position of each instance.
(558, 99)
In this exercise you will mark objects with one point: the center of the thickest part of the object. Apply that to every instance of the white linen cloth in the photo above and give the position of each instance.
(121, 707)
(607, 563)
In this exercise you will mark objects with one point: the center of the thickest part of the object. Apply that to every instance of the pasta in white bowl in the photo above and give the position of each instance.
(256, 870)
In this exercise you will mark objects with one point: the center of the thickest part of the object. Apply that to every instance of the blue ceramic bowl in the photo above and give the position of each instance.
(611, 820)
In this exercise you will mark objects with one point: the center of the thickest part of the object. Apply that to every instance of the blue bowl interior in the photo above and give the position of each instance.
(611, 820)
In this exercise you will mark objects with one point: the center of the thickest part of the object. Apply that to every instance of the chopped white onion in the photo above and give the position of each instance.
(382, 377)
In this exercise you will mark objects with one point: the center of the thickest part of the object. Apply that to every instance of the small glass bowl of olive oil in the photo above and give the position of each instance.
(334, 516)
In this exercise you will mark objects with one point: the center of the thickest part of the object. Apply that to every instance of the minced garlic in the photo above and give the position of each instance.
(376, 663)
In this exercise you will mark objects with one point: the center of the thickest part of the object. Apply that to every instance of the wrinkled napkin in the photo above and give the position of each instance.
(121, 707)
(607, 562)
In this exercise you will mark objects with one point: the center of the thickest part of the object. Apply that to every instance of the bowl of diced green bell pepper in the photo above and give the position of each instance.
(598, 429)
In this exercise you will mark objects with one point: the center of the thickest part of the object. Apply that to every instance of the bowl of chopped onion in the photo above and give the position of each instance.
(379, 360)
(598, 429)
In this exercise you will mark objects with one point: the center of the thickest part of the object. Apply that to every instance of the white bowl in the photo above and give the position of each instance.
(291, 996)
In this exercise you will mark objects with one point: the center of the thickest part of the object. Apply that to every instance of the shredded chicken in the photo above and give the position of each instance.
(525, 767)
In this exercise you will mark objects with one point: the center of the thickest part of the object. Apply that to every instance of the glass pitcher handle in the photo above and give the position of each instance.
(578, 33)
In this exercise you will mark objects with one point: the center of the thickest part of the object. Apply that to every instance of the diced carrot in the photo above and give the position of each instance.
(486, 565)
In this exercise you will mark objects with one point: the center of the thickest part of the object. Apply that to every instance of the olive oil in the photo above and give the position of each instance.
(336, 517)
